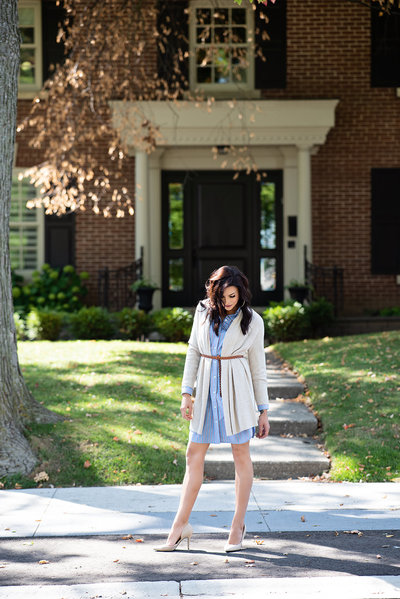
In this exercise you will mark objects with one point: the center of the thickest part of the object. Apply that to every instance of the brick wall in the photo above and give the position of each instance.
(329, 57)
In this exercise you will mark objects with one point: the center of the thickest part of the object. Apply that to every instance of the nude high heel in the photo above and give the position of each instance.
(229, 547)
(186, 534)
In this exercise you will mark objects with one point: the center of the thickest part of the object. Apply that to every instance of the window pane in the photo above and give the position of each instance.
(268, 274)
(222, 66)
(203, 35)
(203, 16)
(27, 66)
(221, 16)
(221, 35)
(239, 35)
(175, 277)
(268, 222)
(175, 219)
(238, 16)
(26, 17)
(204, 75)
(27, 35)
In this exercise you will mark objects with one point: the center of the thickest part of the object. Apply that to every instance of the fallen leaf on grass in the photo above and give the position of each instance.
(155, 447)
(346, 426)
(137, 432)
(44, 561)
(115, 439)
(87, 464)
(41, 477)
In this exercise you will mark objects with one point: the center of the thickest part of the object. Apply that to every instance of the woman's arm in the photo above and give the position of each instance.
(192, 356)
(257, 364)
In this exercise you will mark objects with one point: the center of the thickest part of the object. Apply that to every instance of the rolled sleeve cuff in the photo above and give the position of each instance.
(264, 406)
(187, 390)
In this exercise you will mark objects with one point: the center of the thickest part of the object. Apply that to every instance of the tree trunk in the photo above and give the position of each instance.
(16, 403)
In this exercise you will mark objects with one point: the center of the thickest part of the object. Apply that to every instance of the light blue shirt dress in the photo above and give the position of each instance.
(214, 423)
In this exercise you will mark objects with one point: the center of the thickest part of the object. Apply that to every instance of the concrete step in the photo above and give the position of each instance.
(274, 458)
(286, 416)
(282, 383)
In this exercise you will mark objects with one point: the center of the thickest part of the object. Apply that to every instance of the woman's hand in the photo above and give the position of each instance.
(187, 406)
(263, 425)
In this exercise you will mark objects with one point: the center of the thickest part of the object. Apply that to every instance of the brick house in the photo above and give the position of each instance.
(320, 116)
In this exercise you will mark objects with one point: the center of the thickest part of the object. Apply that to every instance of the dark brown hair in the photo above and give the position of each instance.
(219, 280)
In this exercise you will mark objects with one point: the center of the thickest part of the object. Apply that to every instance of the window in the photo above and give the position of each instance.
(385, 49)
(222, 46)
(30, 24)
(26, 228)
(385, 221)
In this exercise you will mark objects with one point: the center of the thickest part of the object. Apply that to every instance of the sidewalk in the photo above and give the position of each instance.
(293, 512)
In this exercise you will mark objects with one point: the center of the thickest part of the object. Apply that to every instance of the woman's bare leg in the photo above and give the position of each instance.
(243, 484)
(195, 455)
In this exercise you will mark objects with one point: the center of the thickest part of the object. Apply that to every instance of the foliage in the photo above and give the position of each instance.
(143, 284)
(92, 323)
(120, 406)
(19, 326)
(290, 320)
(174, 324)
(133, 323)
(394, 311)
(285, 321)
(319, 314)
(43, 324)
(51, 288)
(354, 389)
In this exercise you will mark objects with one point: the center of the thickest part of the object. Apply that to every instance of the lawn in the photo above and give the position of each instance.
(120, 401)
(354, 388)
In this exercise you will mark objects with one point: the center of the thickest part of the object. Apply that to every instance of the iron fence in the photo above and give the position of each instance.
(325, 281)
(114, 292)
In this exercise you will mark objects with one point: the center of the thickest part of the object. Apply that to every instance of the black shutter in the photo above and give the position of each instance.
(60, 240)
(271, 72)
(173, 48)
(385, 221)
(53, 52)
(385, 49)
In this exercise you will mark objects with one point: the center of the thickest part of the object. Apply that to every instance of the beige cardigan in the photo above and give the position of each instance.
(244, 380)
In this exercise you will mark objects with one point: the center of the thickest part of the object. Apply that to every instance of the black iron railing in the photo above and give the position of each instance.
(325, 281)
(114, 292)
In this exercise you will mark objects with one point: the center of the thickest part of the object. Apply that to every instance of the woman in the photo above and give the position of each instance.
(226, 362)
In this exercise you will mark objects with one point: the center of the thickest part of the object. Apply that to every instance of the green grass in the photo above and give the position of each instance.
(120, 401)
(354, 387)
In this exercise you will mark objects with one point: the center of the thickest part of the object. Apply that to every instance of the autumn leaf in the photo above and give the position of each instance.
(127, 537)
(43, 561)
(302, 518)
(139, 541)
(87, 464)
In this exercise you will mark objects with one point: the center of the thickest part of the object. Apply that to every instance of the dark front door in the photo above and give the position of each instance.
(211, 219)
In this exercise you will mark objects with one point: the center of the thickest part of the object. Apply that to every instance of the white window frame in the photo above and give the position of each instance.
(38, 225)
(28, 90)
(219, 89)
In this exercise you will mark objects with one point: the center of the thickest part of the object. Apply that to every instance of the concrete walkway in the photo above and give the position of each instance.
(283, 521)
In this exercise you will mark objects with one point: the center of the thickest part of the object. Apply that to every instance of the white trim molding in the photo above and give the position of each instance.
(250, 123)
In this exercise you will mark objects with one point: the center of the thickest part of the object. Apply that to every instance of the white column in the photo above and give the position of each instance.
(304, 206)
(154, 246)
(142, 209)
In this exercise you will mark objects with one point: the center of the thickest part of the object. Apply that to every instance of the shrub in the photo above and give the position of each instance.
(395, 311)
(19, 326)
(290, 320)
(43, 324)
(51, 288)
(174, 324)
(285, 321)
(319, 314)
(92, 323)
(133, 323)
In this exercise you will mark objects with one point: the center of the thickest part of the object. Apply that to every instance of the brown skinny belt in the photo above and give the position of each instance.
(219, 358)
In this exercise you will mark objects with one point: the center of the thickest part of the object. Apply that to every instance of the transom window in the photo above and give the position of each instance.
(30, 76)
(26, 228)
(222, 48)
